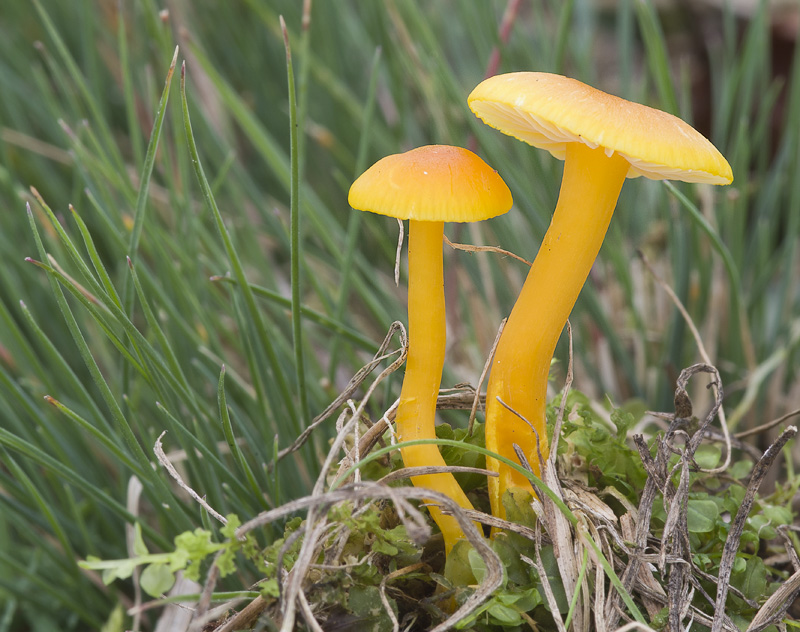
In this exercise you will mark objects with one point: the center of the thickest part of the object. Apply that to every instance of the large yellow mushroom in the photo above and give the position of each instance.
(602, 139)
(429, 186)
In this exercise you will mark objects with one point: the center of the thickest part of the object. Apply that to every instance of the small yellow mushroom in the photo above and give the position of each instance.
(429, 186)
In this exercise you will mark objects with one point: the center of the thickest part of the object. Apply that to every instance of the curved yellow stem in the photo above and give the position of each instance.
(426, 346)
(589, 191)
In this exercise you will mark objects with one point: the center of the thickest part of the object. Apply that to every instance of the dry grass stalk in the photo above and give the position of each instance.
(495, 249)
(355, 383)
(737, 527)
(167, 465)
(487, 365)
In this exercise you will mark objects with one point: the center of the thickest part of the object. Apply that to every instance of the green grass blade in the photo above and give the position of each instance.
(236, 451)
(236, 264)
(102, 437)
(157, 484)
(294, 204)
(354, 219)
(75, 74)
(172, 362)
(127, 88)
(30, 451)
(36, 497)
(657, 58)
(149, 162)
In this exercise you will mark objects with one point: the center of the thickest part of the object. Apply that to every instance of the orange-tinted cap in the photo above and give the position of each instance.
(549, 111)
(435, 183)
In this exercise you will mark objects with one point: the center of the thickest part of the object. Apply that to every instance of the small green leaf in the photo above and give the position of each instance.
(778, 515)
(708, 456)
(624, 421)
(269, 588)
(197, 544)
(702, 515)
(458, 567)
(226, 562)
(703, 561)
(753, 582)
(553, 576)
(740, 469)
(381, 546)
(521, 600)
(476, 565)
(505, 615)
(517, 503)
(229, 530)
(123, 569)
(156, 580)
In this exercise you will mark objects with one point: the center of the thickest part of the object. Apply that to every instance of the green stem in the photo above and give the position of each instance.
(354, 221)
(297, 331)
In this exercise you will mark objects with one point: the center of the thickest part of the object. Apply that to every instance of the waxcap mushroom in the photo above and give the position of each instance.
(549, 111)
(603, 140)
(429, 186)
(432, 183)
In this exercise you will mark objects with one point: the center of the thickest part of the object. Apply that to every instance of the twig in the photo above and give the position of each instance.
(382, 589)
(206, 594)
(162, 458)
(499, 523)
(703, 354)
(408, 472)
(495, 249)
(767, 426)
(556, 523)
(789, 545)
(676, 531)
(450, 401)
(548, 589)
(476, 400)
(246, 617)
(305, 608)
(737, 526)
(352, 387)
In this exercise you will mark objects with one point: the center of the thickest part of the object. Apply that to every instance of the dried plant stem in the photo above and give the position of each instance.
(737, 526)
(495, 249)
(486, 366)
(352, 386)
(700, 348)
(162, 458)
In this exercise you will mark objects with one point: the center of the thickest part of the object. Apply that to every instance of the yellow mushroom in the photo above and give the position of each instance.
(602, 139)
(429, 186)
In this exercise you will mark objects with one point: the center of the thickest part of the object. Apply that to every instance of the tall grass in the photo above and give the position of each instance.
(143, 267)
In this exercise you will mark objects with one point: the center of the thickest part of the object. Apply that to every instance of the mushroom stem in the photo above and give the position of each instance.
(589, 190)
(416, 411)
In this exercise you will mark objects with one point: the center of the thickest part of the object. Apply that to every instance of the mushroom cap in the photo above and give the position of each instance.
(434, 183)
(549, 111)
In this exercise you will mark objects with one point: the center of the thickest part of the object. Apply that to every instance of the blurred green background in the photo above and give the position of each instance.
(126, 356)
